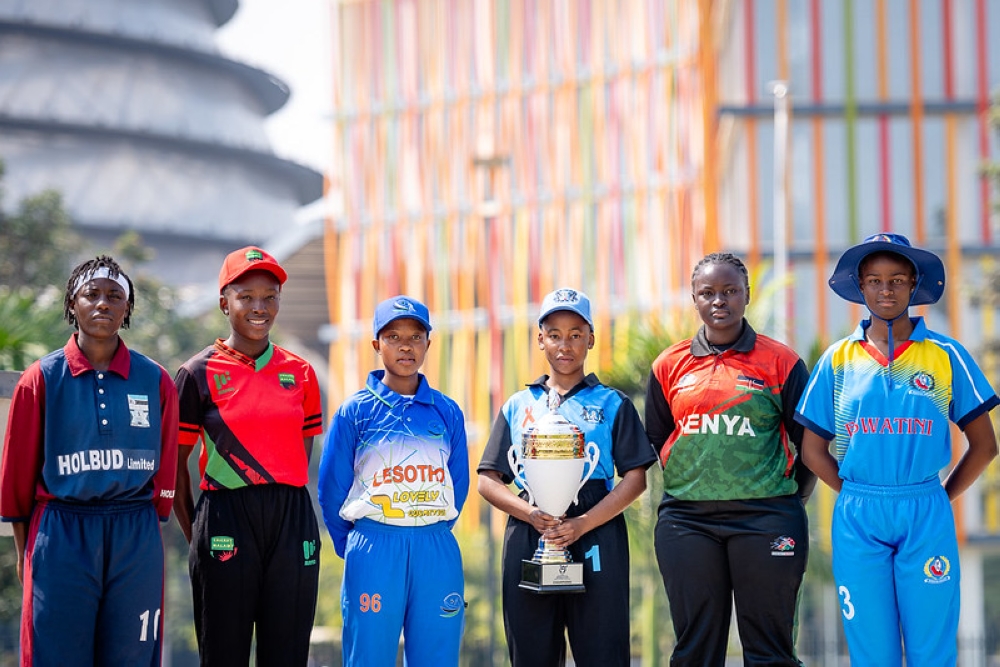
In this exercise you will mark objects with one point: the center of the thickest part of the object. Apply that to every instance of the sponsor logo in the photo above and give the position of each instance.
(889, 426)
(93, 460)
(936, 570)
(686, 382)
(221, 380)
(922, 381)
(452, 605)
(783, 546)
(222, 547)
(566, 296)
(309, 552)
(254, 255)
(592, 415)
(167, 493)
(138, 407)
(747, 383)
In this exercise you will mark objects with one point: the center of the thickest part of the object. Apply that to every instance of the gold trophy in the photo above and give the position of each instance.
(550, 463)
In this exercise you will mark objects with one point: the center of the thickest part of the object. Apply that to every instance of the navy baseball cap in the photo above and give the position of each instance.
(566, 298)
(929, 268)
(399, 307)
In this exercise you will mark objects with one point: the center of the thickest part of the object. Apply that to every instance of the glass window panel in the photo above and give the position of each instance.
(901, 175)
(869, 198)
(800, 185)
(932, 49)
(898, 49)
(865, 51)
(832, 22)
(934, 180)
(835, 183)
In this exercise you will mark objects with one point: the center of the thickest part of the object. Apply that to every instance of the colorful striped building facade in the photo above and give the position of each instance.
(489, 151)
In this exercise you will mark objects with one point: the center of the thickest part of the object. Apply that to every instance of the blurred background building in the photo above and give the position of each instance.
(487, 152)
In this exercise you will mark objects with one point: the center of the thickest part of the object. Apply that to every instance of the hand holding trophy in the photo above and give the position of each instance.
(550, 464)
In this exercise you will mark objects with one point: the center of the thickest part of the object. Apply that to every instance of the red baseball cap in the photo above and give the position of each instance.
(250, 258)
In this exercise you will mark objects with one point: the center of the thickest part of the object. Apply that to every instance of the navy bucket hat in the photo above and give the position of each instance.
(929, 268)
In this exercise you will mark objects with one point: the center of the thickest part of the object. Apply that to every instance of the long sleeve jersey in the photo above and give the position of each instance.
(399, 460)
(82, 435)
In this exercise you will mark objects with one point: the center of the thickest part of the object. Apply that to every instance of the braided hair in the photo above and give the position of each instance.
(88, 268)
(722, 258)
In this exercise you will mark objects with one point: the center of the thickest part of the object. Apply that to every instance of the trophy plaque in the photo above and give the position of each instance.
(550, 464)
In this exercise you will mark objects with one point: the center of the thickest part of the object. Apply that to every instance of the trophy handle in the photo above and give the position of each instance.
(593, 454)
(517, 467)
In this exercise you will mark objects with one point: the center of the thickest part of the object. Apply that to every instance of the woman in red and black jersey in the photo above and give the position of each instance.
(732, 524)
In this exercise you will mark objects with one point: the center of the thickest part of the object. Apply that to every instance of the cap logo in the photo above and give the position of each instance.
(566, 296)
(254, 255)
(402, 304)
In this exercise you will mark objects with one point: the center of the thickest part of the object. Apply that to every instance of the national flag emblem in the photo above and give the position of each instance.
(748, 383)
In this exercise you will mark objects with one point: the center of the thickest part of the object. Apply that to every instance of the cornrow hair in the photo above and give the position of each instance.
(722, 258)
(88, 267)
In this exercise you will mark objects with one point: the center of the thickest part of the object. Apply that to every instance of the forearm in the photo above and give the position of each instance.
(982, 449)
(816, 455)
(498, 494)
(184, 496)
(624, 493)
(20, 529)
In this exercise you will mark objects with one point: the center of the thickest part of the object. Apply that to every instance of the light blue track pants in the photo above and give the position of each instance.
(895, 564)
(405, 580)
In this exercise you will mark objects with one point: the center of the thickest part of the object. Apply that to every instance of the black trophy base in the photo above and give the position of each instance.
(552, 577)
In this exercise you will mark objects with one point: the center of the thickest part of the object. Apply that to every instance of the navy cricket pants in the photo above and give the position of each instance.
(93, 585)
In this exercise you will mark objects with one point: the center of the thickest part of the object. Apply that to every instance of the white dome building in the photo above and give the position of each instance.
(128, 109)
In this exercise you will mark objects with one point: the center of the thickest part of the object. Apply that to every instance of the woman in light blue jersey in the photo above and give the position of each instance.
(885, 396)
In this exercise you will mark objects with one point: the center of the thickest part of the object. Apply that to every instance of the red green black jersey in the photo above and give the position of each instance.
(722, 421)
(251, 415)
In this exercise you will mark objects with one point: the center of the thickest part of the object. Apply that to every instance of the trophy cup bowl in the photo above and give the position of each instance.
(550, 463)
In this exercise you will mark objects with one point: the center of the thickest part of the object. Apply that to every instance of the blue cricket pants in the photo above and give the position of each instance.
(895, 564)
(402, 579)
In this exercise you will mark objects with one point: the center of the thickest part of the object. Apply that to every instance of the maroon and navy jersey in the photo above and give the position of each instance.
(87, 436)
(724, 423)
(251, 415)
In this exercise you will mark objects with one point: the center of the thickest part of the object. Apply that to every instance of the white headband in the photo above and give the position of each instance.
(102, 272)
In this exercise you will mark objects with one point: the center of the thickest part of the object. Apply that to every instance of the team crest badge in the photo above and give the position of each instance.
(286, 380)
(592, 415)
(783, 546)
(936, 570)
(138, 407)
(451, 605)
(922, 381)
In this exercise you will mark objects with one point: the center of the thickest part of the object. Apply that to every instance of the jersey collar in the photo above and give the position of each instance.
(258, 363)
(382, 392)
(589, 380)
(700, 347)
(78, 362)
(918, 334)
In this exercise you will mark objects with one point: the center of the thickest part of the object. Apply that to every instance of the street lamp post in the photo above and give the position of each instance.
(489, 160)
(780, 91)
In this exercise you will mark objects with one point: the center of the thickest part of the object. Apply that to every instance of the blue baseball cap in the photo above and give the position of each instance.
(929, 268)
(399, 307)
(566, 298)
